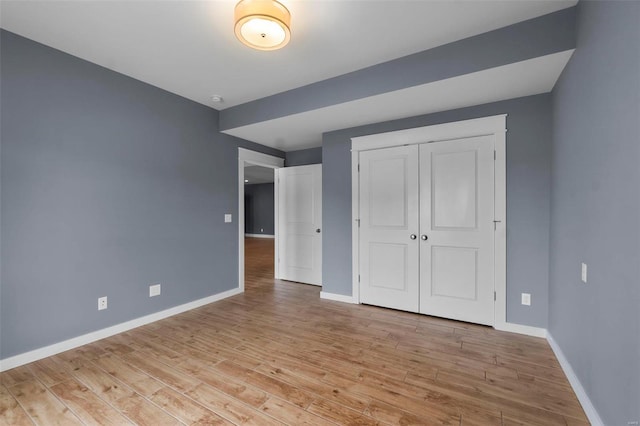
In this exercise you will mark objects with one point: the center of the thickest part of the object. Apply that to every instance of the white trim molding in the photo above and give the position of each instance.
(337, 297)
(248, 157)
(259, 235)
(487, 126)
(581, 393)
(355, 225)
(522, 329)
(438, 132)
(56, 348)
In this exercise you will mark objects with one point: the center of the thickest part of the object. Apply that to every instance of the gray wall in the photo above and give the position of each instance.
(528, 174)
(108, 185)
(259, 209)
(303, 157)
(595, 209)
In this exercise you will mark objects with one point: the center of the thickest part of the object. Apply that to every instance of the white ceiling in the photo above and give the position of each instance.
(189, 48)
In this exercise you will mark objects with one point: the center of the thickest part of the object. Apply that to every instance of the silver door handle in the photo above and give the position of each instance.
(318, 230)
(424, 237)
(413, 236)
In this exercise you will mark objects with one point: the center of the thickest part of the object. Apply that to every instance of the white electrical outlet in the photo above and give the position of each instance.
(526, 299)
(227, 218)
(102, 303)
(584, 272)
(154, 290)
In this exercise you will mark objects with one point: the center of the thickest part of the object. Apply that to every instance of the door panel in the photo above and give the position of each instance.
(300, 219)
(454, 186)
(299, 199)
(454, 272)
(389, 216)
(388, 266)
(388, 193)
(297, 257)
(456, 205)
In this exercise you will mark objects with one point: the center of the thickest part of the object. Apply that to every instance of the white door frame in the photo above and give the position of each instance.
(494, 125)
(245, 157)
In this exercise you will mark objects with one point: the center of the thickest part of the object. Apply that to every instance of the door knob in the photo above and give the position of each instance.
(424, 237)
(413, 236)
(318, 230)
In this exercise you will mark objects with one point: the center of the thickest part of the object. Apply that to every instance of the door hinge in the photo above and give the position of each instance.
(358, 220)
(495, 297)
(358, 168)
(495, 155)
(358, 277)
(495, 224)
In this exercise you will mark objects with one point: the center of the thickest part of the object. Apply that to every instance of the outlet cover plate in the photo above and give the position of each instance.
(583, 272)
(102, 303)
(526, 299)
(154, 290)
(227, 218)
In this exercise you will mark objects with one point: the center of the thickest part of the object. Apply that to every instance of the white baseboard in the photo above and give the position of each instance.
(521, 329)
(56, 348)
(585, 401)
(259, 235)
(337, 297)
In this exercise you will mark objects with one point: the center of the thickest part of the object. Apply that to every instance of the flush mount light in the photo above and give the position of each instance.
(262, 24)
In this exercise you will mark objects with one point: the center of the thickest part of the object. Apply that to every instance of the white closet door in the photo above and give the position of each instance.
(300, 223)
(457, 229)
(389, 228)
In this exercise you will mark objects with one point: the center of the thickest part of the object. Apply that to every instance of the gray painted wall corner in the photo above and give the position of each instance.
(108, 185)
(336, 213)
(595, 209)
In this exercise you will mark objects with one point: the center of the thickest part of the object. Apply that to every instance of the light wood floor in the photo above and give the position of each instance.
(278, 354)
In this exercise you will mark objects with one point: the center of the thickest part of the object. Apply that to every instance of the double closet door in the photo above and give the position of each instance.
(426, 228)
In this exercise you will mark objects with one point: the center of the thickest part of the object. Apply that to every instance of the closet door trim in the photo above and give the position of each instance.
(494, 126)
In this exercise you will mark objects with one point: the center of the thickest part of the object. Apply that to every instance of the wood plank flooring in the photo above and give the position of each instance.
(278, 354)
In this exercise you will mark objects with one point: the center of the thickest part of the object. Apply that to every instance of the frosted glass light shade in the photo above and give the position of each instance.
(262, 24)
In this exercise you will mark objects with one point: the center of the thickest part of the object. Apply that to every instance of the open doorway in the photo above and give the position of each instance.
(257, 215)
(259, 223)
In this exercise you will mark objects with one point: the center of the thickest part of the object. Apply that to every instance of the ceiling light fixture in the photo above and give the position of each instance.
(262, 24)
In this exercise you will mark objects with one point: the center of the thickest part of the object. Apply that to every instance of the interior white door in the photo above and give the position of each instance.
(300, 223)
(389, 227)
(457, 229)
